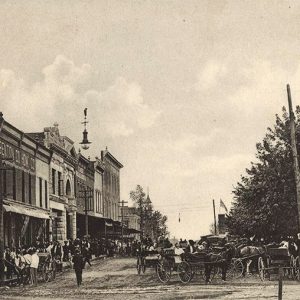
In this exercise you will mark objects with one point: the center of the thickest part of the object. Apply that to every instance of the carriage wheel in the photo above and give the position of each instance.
(185, 272)
(235, 269)
(163, 271)
(297, 268)
(261, 269)
(47, 273)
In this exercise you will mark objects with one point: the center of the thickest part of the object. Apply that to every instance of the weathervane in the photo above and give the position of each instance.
(85, 142)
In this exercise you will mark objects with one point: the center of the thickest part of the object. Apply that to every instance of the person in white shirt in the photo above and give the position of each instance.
(34, 266)
(178, 251)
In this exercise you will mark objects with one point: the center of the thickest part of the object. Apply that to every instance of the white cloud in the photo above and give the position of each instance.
(63, 93)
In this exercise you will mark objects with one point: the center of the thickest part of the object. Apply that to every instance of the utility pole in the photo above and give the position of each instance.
(122, 220)
(141, 218)
(215, 222)
(86, 193)
(294, 151)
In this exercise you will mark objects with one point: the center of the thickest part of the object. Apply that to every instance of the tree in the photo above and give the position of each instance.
(265, 198)
(153, 223)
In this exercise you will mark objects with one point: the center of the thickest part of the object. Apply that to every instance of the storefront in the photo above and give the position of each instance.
(25, 216)
(24, 225)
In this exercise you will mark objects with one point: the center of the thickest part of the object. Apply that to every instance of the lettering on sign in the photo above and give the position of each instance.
(19, 156)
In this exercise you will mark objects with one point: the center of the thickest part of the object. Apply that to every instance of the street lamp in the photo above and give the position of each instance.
(85, 142)
(86, 193)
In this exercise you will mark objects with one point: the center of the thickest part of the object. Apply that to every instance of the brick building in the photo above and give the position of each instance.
(61, 174)
(25, 187)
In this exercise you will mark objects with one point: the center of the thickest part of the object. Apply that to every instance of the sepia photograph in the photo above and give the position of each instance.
(149, 149)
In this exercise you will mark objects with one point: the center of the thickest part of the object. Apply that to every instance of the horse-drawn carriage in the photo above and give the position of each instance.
(276, 258)
(146, 259)
(187, 265)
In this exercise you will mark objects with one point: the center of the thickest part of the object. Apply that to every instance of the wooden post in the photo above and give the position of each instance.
(280, 275)
(294, 151)
(215, 221)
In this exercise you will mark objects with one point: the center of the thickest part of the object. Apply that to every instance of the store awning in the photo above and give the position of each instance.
(132, 230)
(31, 212)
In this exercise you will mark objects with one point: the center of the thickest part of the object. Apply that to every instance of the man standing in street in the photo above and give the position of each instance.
(34, 266)
(78, 266)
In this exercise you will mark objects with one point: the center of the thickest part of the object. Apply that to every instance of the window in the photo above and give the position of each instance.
(29, 189)
(46, 194)
(41, 191)
(53, 181)
(14, 184)
(23, 186)
(60, 193)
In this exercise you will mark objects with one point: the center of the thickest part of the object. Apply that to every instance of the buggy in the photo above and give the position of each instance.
(146, 259)
(276, 258)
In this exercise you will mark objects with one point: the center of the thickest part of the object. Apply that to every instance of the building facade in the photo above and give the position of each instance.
(61, 174)
(51, 192)
(25, 187)
(111, 186)
(85, 175)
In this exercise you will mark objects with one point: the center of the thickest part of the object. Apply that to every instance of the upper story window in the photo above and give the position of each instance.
(60, 184)
(53, 181)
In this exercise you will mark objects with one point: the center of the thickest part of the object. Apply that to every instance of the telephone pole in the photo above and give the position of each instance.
(86, 194)
(294, 151)
(215, 221)
(122, 220)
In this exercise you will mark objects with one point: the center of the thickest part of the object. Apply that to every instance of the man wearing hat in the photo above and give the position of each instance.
(78, 265)
(191, 247)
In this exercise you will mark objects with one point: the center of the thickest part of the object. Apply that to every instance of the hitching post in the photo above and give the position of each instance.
(280, 275)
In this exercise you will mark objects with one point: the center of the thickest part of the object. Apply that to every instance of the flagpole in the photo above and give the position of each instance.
(215, 222)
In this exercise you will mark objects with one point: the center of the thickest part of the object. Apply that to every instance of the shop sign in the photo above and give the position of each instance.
(19, 156)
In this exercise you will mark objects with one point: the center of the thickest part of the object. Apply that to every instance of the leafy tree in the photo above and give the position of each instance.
(153, 223)
(265, 198)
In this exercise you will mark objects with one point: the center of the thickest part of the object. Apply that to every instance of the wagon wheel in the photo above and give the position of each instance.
(261, 269)
(185, 272)
(47, 272)
(163, 271)
(236, 268)
(297, 268)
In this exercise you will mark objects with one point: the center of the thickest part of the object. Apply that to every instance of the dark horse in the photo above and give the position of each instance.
(219, 257)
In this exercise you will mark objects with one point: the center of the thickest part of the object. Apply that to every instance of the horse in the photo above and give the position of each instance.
(249, 254)
(218, 257)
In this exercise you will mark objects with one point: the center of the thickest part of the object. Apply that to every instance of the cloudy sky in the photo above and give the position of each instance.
(179, 91)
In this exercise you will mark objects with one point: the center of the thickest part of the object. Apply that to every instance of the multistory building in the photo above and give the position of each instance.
(61, 176)
(25, 187)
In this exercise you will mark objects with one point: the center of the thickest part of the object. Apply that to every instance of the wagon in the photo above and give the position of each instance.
(47, 267)
(147, 259)
(192, 265)
(168, 262)
(276, 258)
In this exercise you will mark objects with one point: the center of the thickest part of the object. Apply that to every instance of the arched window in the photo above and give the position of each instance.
(68, 188)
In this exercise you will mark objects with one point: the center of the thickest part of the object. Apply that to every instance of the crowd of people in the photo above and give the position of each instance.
(22, 263)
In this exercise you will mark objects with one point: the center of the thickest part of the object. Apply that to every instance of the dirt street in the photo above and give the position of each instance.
(117, 279)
